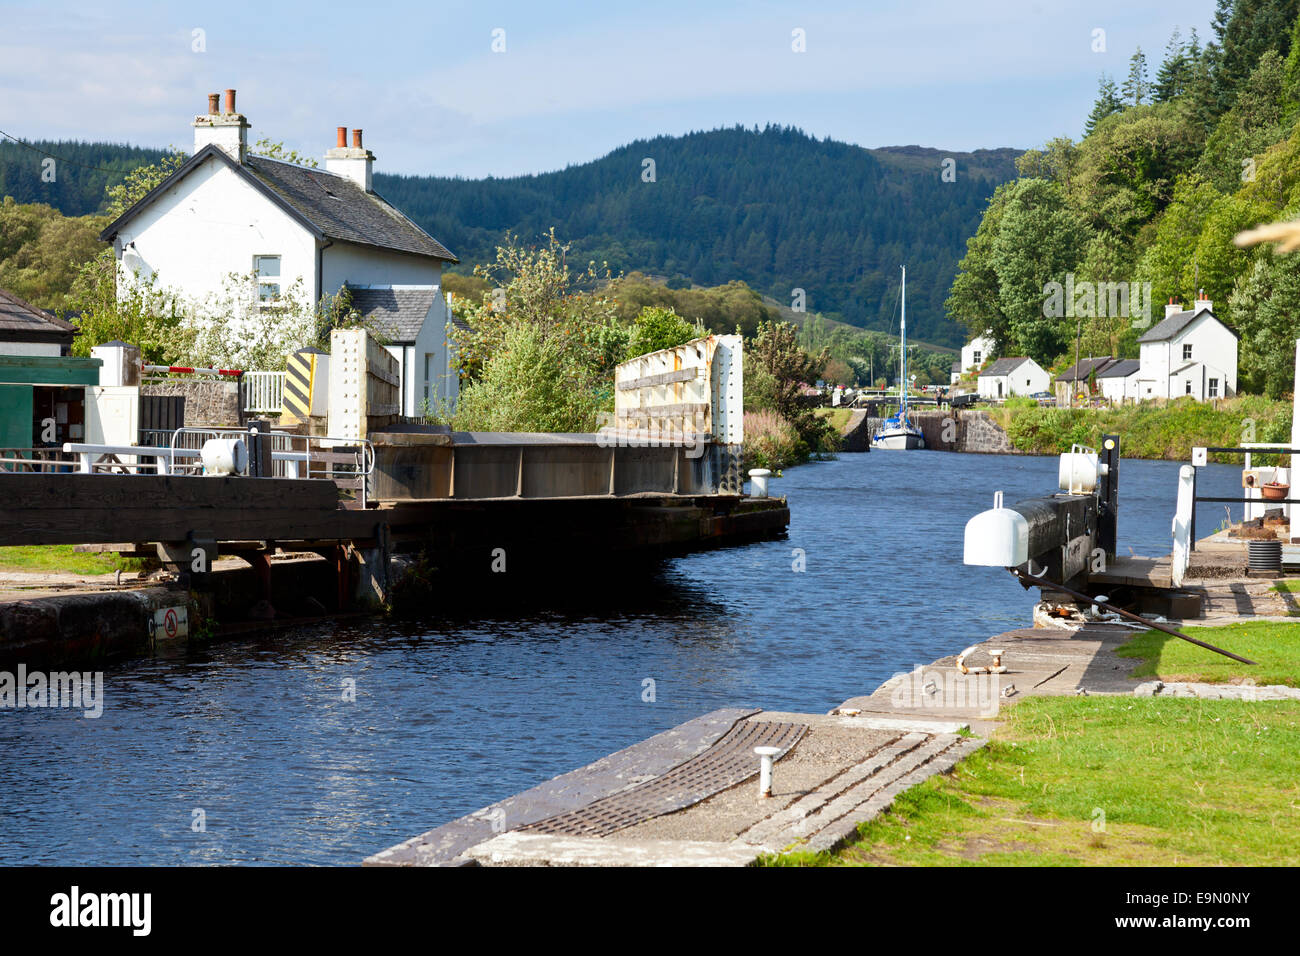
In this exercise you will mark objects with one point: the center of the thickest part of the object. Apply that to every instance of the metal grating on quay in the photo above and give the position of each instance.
(728, 762)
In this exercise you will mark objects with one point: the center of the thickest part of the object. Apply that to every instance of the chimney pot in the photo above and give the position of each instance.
(356, 139)
(342, 137)
(214, 101)
(230, 101)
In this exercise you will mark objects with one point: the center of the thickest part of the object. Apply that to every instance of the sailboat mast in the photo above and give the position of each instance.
(902, 385)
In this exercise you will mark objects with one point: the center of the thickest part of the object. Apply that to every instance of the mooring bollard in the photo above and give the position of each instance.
(765, 755)
(759, 476)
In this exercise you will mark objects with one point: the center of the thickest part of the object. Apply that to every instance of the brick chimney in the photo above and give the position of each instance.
(1173, 307)
(225, 129)
(353, 162)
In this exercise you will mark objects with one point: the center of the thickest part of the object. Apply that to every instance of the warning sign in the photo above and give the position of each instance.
(170, 623)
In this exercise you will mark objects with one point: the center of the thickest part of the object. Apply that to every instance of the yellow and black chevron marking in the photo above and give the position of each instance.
(298, 381)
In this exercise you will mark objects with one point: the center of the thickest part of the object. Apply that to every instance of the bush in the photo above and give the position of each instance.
(771, 442)
(527, 386)
(1167, 430)
(658, 328)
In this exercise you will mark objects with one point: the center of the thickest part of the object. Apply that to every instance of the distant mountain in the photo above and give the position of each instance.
(773, 207)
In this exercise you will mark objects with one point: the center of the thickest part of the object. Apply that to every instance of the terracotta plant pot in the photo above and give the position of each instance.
(1273, 491)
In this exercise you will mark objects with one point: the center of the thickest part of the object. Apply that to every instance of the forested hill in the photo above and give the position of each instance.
(775, 208)
(75, 181)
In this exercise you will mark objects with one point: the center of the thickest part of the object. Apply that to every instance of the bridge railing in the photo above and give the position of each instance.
(350, 466)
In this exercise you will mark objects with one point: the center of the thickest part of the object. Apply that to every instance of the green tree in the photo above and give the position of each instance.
(776, 350)
(273, 150)
(1137, 87)
(139, 181)
(1267, 304)
(658, 328)
(1175, 72)
(1108, 103)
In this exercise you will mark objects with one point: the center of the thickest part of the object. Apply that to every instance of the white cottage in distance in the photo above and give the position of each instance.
(225, 211)
(1189, 353)
(1013, 376)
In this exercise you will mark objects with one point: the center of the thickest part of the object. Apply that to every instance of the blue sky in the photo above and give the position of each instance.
(575, 79)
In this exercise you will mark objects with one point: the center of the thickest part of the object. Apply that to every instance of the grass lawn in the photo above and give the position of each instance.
(1104, 781)
(1287, 586)
(1275, 647)
(838, 417)
(61, 557)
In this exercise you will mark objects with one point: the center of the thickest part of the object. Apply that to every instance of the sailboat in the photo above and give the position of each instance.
(898, 432)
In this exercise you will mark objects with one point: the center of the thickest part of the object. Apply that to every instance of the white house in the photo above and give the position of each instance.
(1118, 381)
(1189, 353)
(976, 351)
(225, 211)
(1013, 376)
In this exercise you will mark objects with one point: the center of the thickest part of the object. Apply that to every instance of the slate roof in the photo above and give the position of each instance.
(1121, 368)
(956, 366)
(1172, 325)
(1004, 366)
(1085, 367)
(397, 313)
(20, 319)
(341, 209)
(328, 206)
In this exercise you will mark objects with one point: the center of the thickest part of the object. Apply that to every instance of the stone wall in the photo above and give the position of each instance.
(965, 430)
(207, 402)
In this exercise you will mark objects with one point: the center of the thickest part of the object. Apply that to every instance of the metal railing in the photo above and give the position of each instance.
(36, 461)
(1251, 498)
(262, 392)
(347, 463)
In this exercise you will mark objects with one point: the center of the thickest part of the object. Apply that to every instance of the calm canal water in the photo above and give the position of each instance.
(454, 712)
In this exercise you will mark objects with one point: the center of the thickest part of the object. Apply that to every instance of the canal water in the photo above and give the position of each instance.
(251, 752)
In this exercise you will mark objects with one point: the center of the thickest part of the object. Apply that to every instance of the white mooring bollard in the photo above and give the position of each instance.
(765, 755)
(759, 476)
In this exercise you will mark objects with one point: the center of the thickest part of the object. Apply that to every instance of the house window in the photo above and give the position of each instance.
(1213, 390)
(1188, 389)
(976, 356)
(267, 269)
(1187, 353)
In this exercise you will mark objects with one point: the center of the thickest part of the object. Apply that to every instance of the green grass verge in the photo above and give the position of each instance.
(61, 557)
(838, 417)
(1274, 647)
(1150, 429)
(1118, 781)
(1287, 586)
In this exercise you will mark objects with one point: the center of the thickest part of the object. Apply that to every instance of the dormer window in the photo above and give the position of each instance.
(267, 269)
(1187, 353)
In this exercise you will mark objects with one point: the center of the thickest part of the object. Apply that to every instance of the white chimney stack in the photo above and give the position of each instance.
(226, 129)
(1173, 308)
(355, 162)
(1203, 303)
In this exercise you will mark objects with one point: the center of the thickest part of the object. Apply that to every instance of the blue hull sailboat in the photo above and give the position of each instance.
(898, 432)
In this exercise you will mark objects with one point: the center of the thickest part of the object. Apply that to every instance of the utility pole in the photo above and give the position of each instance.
(1078, 338)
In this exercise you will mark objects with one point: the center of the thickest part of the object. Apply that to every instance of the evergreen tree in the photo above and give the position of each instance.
(1108, 102)
(1137, 87)
(1175, 71)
